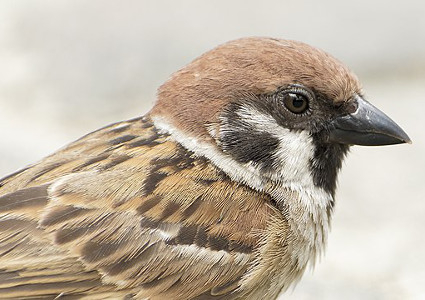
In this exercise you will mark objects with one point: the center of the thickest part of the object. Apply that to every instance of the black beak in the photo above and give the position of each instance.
(367, 126)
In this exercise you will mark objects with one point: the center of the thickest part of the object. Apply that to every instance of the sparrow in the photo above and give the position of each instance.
(224, 190)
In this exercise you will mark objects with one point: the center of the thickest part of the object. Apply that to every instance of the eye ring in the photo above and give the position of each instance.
(296, 99)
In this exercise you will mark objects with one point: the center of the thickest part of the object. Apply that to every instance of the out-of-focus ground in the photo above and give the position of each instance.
(69, 67)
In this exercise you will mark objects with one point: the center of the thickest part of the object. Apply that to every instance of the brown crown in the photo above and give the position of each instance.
(194, 96)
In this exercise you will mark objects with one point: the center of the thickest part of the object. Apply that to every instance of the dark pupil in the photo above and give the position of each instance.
(297, 101)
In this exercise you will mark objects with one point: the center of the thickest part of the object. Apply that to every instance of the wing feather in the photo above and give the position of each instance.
(125, 211)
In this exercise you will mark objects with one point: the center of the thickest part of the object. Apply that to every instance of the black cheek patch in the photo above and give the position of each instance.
(240, 138)
(250, 146)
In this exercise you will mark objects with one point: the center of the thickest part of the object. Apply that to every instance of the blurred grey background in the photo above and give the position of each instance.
(69, 67)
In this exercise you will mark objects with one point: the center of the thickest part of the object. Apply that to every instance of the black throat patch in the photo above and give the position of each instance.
(326, 163)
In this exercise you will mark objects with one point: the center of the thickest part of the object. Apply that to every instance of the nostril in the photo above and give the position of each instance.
(352, 107)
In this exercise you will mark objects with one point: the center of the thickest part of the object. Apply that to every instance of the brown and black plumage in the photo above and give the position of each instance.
(223, 191)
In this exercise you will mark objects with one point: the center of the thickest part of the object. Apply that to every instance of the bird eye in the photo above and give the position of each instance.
(296, 103)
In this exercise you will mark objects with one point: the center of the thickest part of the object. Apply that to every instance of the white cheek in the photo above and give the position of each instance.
(294, 153)
(292, 166)
(294, 157)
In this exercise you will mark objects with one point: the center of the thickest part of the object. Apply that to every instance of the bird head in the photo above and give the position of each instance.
(282, 109)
